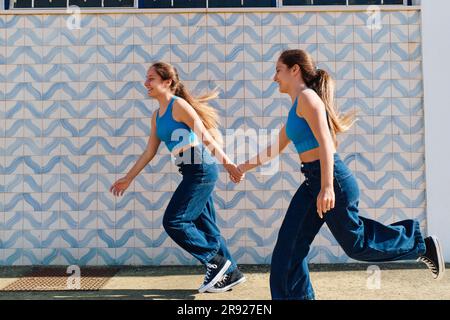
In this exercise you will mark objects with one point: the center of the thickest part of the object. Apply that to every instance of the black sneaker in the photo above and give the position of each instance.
(214, 271)
(433, 257)
(228, 281)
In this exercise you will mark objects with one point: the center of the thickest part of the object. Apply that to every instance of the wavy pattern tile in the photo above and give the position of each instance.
(74, 117)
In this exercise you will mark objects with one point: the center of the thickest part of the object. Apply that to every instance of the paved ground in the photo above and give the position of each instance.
(397, 281)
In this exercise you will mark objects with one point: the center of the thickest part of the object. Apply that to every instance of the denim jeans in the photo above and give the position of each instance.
(361, 238)
(190, 217)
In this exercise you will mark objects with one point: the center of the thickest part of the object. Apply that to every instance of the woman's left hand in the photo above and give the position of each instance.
(325, 200)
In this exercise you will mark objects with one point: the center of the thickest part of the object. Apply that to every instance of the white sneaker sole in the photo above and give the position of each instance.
(441, 262)
(231, 285)
(218, 276)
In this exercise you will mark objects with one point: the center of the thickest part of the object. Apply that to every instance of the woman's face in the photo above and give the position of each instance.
(155, 84)
(284, 76)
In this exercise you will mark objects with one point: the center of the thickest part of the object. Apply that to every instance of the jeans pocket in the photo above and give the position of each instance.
(341, 171)
(346, 189)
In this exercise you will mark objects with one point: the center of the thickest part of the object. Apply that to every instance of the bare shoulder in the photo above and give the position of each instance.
(308, 100)
(181, 109)
(181, 105)
(308, 96)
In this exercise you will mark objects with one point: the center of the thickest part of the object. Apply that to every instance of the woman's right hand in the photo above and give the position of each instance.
(119, 187)
(235, 175)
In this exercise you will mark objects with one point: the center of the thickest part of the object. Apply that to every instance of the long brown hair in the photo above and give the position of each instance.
(207, 114)
(321, 82)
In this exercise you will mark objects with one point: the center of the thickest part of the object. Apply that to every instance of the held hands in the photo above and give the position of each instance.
(119, 187)
(325, 200)
(243, 168)
(235, 174)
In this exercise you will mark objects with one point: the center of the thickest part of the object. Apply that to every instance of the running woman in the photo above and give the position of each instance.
(329, 193)
(188, 126)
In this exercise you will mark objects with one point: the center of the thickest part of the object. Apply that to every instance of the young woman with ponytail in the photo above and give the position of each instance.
(330, 193)
(188, 126)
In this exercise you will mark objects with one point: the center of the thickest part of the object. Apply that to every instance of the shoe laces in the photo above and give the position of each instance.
(222, 281)
(209, 268)
(430, 264)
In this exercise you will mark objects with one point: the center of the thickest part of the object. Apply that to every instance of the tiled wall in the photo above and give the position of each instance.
(74, 117)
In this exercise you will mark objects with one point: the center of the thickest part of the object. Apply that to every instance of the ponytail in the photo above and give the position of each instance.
(321, 82)
(324, 86)
(207, 114)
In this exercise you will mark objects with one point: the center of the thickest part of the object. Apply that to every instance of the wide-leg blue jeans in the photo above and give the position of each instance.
(190, 217)
(361, 238)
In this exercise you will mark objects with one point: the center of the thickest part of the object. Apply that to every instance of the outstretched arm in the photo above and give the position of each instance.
(268, 154)
(119, 187)
(149, 153)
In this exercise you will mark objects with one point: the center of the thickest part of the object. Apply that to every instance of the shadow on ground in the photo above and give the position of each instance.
(409, 281)
(155, 271)
(152, 294)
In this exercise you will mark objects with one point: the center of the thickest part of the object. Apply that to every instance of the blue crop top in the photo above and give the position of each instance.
(299, 132)
(172, 132)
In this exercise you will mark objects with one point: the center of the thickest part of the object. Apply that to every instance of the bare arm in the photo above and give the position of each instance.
(313, 110)
(149, 153)
(269, 153)
(188, 115)
(119, 187)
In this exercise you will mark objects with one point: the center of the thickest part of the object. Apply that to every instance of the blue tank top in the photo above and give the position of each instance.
(299, 132)
(172, 132)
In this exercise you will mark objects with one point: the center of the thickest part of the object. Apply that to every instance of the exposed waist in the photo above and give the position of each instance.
(313, 169)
